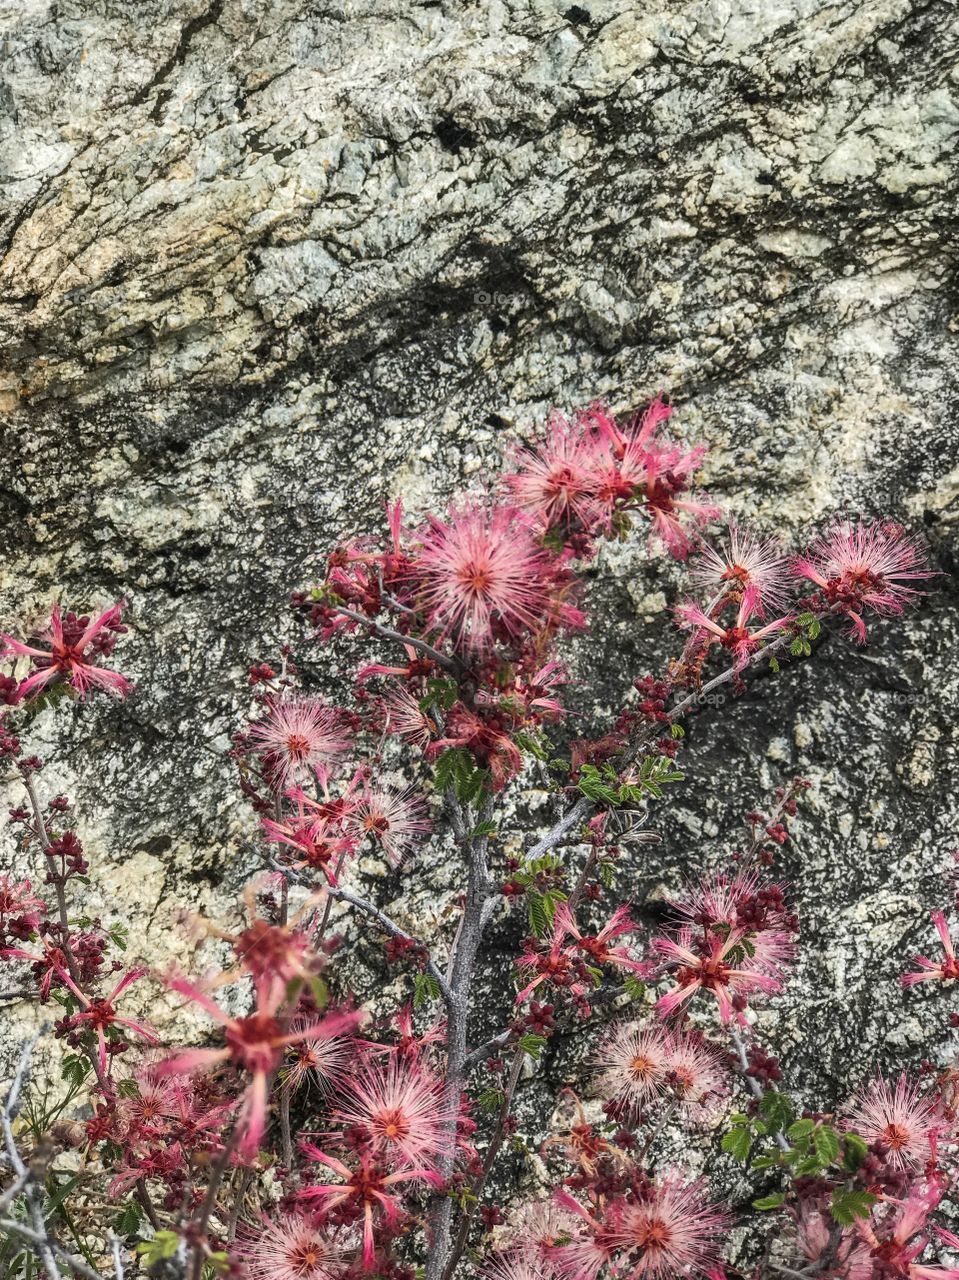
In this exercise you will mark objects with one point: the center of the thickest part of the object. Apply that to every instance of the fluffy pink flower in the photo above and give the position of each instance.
(325, 1059)
(297, 738)
(401, 1109)
(98, 1015)
(738, 638)
(669, 1230)
(945, 970)
(404, 716)
(724, 572)
(254, 1044)
(641, 1062)
(393, 819)
(744, 901)
(74, 645)
(633, 1062)
(557, 482)
(484, 578)
(901, 1119)
(291, 1247)
(315, 842)
(861, 566)
(596, 947)
(893, 1241)
(725, 963)
(674, 1232)
(368, 1191)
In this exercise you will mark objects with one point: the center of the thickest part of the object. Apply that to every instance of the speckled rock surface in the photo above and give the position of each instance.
(265, 265)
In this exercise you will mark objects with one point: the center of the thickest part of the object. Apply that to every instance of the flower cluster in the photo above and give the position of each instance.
(345, 1103)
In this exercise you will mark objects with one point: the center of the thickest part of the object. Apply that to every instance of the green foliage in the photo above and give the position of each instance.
(800, 646)
(533, 1045)
(163, 1245)
(531, 744)
(129, 1218)
(441, 691)
(425, 990)
(769, 1202)
(456, 770)
(847, 1206)
(737, 1143)
(604, 785)
(633, 987)
(855, 1151)
(777, 1110)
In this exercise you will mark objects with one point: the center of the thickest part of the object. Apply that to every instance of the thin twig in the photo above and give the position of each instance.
(392, 928)
(755, 1088)
(491, 1153)
(387, 633)
(47, 1247)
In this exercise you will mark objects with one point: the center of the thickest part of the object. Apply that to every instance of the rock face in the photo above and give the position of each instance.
(266, 265)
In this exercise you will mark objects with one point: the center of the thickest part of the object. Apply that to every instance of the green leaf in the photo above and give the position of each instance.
(425, 989)
(764, 1162)
(847, 1206)
(483, 829)
(855, 1151)
(635, 989)
(773, 663)
(677, 731)
(531, 745)
(769, 1202)
(777, 1109)
(533, 1045)
(801, 1129)
(129, 1218)
(737, 1143)
(537, 913)
(163, 1245)
(826, 1144)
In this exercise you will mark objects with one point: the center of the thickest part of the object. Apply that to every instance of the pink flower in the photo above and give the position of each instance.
(865, 566)
(401, 1109)
(315, 842)
(325, 1059)
(946, 970)
(393, 819)
(368, 1191)
(99, 1015)
(515, 1264)
(404, 716)
(893, 1242)
(557, 482)
(643, 1062)
(254, 1044)
(725, 572)
(726, 963)
(20, 908)
(744, 901)
(297, 738)
(484, 578)
(737, 638)
(901, 1119)
(634, 1060)
(74, 645)
(665, 1230)
(674, 1231)
(597, 947)
(291, 1247)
